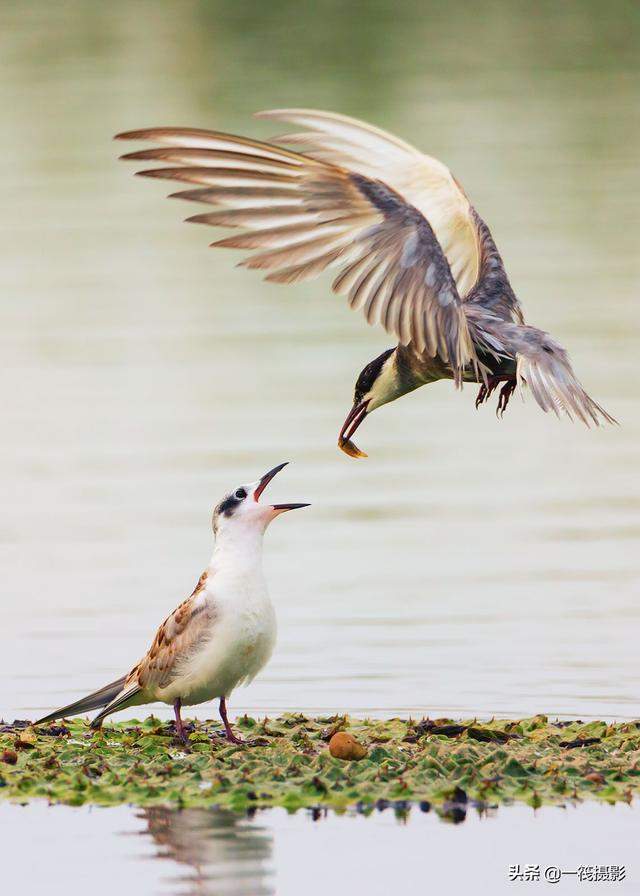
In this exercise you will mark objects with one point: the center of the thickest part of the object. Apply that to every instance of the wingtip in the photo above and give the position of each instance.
(135, 155)
(606, 416)
(187, 195)
(293, 110)
(142, 133)
(51, 717)
(196, 219)
(152, 172)
(278, 113)
(130, 135)
(44, 720)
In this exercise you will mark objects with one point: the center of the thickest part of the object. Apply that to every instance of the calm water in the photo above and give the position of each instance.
(469, 566)
(217, 853)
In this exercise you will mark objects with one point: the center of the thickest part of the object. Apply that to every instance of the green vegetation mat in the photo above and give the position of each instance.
(286, 762)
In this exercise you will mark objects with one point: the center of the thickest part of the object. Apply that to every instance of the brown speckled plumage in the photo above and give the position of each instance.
(180, 634)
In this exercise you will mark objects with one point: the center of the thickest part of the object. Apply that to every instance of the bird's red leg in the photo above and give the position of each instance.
(180, 729)
(505, 394)
(225, 721)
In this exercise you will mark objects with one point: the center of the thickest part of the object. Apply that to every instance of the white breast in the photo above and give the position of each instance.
(242, 638)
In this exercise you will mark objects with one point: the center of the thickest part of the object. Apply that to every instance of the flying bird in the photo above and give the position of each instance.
(410, 250)
(219, 637)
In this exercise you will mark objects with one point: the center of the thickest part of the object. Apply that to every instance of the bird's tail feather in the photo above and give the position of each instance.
(543, 365)
(92, 701)
(119, 701)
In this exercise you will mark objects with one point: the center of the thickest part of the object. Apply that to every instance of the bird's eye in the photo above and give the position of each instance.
(240, 494)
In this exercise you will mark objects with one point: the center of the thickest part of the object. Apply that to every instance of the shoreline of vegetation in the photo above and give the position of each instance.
(287, 762)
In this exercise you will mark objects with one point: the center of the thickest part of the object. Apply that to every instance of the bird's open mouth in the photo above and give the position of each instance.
(264, 482)
(354, 418)
(266, 479)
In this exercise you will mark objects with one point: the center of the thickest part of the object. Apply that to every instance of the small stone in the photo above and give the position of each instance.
(595, 778)
(9, 756)
(345, 746)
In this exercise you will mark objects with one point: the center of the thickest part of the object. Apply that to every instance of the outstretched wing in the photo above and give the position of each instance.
(301, 215)
(421, 180)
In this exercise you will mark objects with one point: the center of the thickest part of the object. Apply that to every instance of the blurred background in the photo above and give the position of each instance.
(470, 565)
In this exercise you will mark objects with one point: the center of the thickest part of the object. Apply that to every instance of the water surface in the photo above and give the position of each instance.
(211, 853)
(470, 565)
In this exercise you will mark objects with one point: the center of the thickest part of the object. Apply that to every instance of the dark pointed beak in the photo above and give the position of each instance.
(264, 482)
(283, 507)
(354, 418)
(266, 479)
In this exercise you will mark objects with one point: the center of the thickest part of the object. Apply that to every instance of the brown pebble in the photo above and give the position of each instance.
(595, 778)
(345, 746)
(9, 756)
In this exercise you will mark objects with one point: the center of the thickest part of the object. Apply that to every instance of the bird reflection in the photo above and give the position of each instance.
(221, 852)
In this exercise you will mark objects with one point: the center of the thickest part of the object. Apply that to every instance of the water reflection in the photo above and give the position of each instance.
(232, 854)
(217, 851)
(212, 853)
(222, 852)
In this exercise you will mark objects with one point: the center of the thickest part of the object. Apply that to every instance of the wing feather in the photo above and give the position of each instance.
(423, 181)
(331, 216)
(305, 271)
(235, 195)
(179, 636)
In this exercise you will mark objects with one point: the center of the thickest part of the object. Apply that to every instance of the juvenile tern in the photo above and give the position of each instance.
(411, 250)
(220, 636)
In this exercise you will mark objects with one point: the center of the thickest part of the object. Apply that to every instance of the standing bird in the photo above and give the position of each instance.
(216, 639)
(411, 250)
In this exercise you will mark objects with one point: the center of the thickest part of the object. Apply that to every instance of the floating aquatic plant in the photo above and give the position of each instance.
(286, 762)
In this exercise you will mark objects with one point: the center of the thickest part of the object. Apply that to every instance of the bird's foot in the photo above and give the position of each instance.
(182, 737)
(505, 394)
(486, 389)
(246, 742)
(179, 726)
(228, 730)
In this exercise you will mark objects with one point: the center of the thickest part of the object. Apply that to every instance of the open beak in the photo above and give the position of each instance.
(264, 482)
(354, 418)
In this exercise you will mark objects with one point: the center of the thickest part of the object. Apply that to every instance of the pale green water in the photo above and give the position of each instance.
(470, 565)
